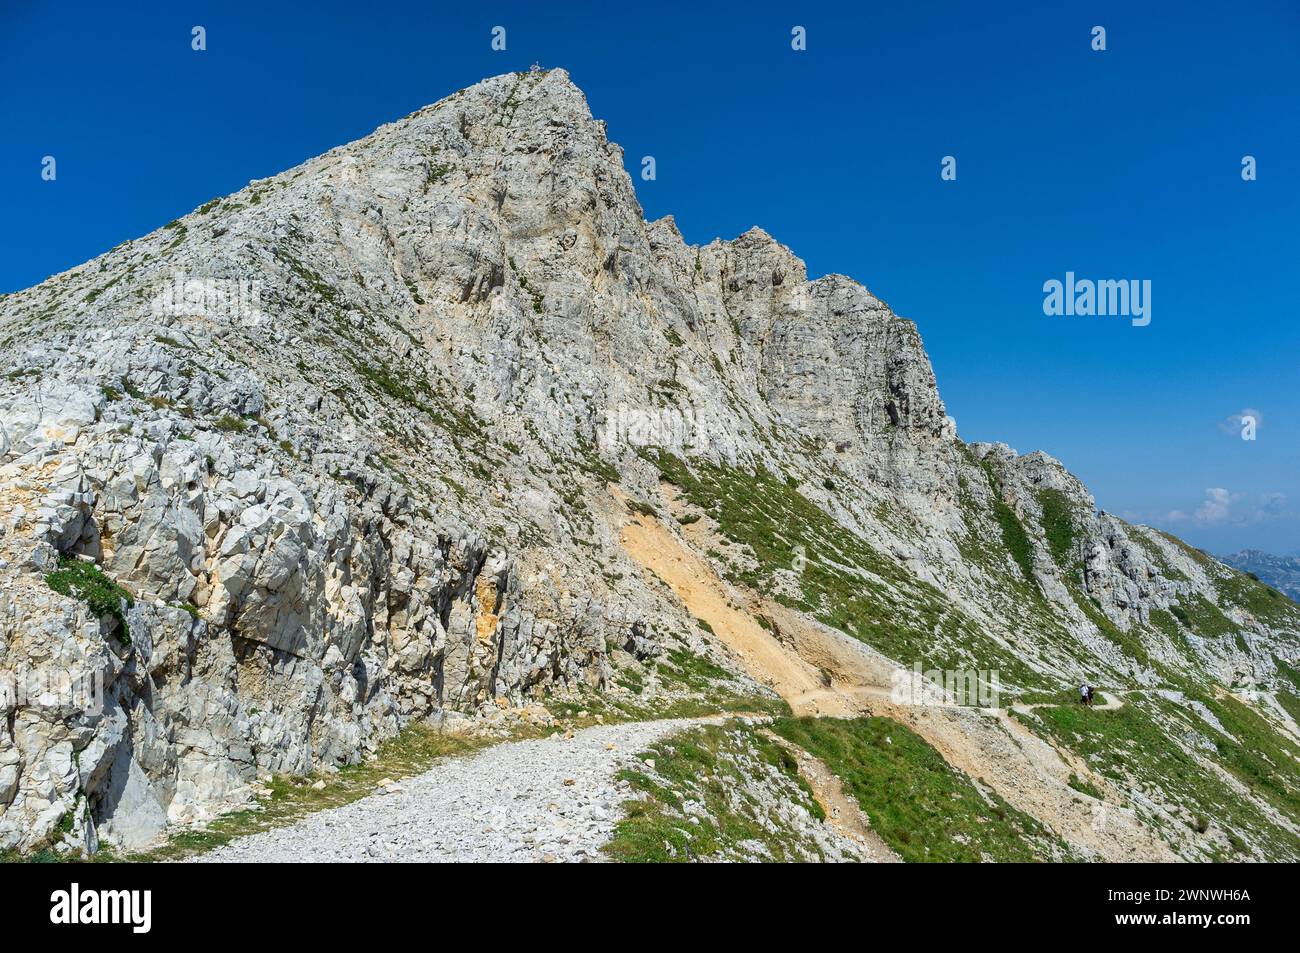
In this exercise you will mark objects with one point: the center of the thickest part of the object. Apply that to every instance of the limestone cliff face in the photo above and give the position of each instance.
(377, 488)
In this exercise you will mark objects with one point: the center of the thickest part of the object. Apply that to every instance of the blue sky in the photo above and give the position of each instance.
(1117, 164)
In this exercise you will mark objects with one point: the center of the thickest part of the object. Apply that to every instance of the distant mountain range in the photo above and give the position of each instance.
(1280, 572)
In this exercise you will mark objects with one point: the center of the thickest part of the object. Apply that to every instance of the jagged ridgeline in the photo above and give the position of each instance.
(423, 426)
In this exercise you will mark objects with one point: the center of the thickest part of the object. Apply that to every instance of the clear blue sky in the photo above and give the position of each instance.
(1117, 164)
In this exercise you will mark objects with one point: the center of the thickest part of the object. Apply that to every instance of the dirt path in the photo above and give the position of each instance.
(819, 671)
(1114, 703)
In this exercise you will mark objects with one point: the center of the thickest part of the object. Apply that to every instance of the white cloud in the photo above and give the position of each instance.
(1217, 506)
(1223, 507)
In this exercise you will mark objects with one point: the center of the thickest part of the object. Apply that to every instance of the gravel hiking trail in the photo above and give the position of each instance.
(820, 671)
(551, 799)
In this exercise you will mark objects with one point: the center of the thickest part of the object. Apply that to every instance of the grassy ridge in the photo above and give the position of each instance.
(925, 809)
(1058, 525)
(711, 768)
(1136, 747)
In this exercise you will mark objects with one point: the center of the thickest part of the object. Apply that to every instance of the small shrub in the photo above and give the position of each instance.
(231, 424)
(642, 508)
(1083, 787)
(87, 582)
(192, 609)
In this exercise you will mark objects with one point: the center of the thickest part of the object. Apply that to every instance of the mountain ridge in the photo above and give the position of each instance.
(1280, 572)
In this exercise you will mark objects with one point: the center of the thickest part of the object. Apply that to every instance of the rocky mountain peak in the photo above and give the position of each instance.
(420, 429)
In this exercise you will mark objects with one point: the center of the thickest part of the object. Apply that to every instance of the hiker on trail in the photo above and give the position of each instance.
(1085, 694)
